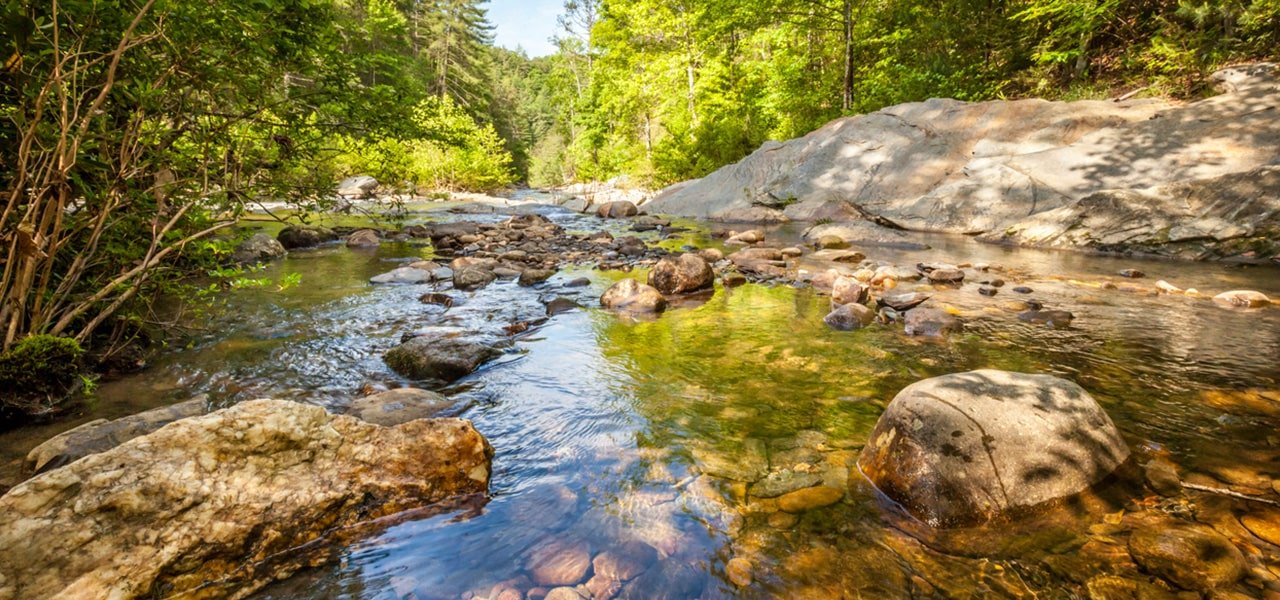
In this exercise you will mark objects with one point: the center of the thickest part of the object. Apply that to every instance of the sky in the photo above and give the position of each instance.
(527, 24)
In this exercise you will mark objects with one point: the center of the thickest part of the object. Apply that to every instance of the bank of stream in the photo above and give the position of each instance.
(606, 426)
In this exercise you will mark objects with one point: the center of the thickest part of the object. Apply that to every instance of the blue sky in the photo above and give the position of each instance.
(528, 24)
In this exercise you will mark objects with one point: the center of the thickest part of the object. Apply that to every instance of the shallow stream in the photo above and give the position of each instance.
(602, 423)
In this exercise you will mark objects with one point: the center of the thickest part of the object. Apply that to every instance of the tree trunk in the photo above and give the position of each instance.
(847, 89)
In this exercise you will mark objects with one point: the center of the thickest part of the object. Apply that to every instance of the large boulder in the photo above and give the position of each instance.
(1194, 179)
(304, 236)
(439, 356)
(220, 505)
(101, 435)
(617, 210)
(966, 447)
(259, 248)
(360, 186)
(632, 296)
(683, 274)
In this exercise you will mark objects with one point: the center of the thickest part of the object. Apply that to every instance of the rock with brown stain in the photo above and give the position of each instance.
(220, 505)
(966, 447)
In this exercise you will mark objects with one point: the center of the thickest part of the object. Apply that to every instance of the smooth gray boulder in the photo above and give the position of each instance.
(632, 296)
(102, 435)
(360, 186)
(304, 236)
(403, 275)
(258, 248)
(439, 355)
(967, 447)
(1193, 180)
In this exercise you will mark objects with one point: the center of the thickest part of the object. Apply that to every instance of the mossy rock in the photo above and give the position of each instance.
(38, 374)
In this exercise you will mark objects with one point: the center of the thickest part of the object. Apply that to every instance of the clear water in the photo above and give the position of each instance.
(599, 420)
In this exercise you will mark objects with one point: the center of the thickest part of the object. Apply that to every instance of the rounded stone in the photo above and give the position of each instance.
(966, 447)
(848, 317)
(1191, 555)
(625, 561)
(738, 570)
(1264, 523)
(681, 275)
(1242, 299)
(631, 295)
(809, 499)
(559, 563)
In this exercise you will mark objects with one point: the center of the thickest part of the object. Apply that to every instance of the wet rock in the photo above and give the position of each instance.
(1242, 299)
(761, 261)
(966, 447)
(187, 508)
(945, 275)
(258, 248)
(738, 571)
(1132, 274)
(560, 593)
(602, 588)
(1264, 523)
(733, 279)
(1168, 288)
(782, 482)
(840, 256)
(848, 317)
(473, 278)
(809, 499)
(670, 580)
(560, 305)
(364, 238)
(579, 282)
(1022, 289)
(625, 561)
(831, 242)
(397, 406)
(559, 562)
(930, 322)
(360, 186)
(751, 236)
(747, 463)
(1162, 476)
(902, 302)
(633, 296)
(847, 290)
(304, 236)
(530, 277)
(711, 255)
(403, 275)
(102, 435)
(438, 356)
(792, 252)
(681, 275)
(1190, 555)
(987, 290)
(783, 520)
(617, 210)
(437, 298)
(1052, 318)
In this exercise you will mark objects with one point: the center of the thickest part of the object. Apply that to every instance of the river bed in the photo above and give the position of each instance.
(604, 425)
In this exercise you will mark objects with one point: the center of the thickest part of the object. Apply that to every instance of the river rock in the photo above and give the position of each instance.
(751, 236)
(403, 275)
(616, 210)
(848, 317)
(102, 435)
(561, 304)
(930, 322)
(681, 275)
(632, 296)
(437, 298)
(219, 505)
(1052, 318)
(473, 278)
(440, 356)
(1191, 555)
(671, 579)
(902, 302)
(625, 561)
(831, 242)
(782, 482)
(530, 277)
(260, 247)
(762, 261)
(364, 238)
(738, 571)
(397, 406)
(1242, 299)
(559, 562)
(967, 447)
(847, 290)
(304, 236)
(945, 275)
(809, 498)
(748, 463)
(360, 186)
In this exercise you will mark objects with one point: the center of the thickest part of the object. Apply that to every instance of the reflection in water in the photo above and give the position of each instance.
(611, 431)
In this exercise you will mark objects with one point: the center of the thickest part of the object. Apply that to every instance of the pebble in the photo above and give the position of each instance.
(809, 499)
(559, 563)
(738, 570)
(1022, 289)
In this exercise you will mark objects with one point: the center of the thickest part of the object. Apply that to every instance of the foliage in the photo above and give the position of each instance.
(36, 374)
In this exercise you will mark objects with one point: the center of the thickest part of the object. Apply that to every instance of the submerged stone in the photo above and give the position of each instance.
(967, 447)
(1191, 555)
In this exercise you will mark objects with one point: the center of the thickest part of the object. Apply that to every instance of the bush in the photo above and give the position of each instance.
(37, 374)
